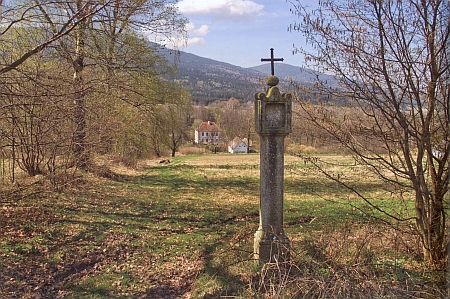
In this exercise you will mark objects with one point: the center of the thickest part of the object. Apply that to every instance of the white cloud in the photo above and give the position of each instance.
(202, 31)
(194, 37)
(195, 34)
(190, 26)
(222, 9)
(180, 44)
(195, 41)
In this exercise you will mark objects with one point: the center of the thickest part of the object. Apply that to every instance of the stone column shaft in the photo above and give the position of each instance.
(272, 183)
(273, 113)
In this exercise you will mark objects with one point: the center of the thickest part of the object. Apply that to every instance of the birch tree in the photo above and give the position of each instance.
(102, 43)
(82, 49)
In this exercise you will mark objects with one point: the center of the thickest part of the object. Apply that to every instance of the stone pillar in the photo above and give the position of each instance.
(273, 114)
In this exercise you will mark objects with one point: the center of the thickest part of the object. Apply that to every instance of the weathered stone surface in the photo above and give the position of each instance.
(270, 248)
(272, 122)
(272, 81)
(273, 112)
(275, 115)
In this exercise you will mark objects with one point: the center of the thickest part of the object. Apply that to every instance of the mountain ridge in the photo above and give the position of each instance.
(209, 80)
(295, 73)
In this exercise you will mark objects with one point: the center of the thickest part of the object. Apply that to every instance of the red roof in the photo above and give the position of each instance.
(207, 126)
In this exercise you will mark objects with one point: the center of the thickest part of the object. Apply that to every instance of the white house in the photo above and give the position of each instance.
(237, 146)
(207, 132)
(438, 154)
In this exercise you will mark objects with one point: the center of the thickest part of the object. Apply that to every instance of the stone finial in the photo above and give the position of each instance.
(272, 81)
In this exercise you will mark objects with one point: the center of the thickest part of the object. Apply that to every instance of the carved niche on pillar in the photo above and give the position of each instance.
(273, 110)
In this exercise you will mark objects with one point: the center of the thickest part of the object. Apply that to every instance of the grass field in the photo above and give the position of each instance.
(185, 230)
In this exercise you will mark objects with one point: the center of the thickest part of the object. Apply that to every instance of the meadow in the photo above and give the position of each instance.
(185, 229)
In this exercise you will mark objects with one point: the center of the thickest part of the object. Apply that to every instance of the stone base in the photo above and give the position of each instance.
(269, 248)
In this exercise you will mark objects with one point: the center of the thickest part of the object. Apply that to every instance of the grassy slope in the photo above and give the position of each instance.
(185, 230)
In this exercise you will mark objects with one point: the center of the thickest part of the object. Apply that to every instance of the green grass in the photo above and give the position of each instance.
(187, 227)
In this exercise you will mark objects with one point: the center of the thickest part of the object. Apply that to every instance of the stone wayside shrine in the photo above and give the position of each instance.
(273, 115)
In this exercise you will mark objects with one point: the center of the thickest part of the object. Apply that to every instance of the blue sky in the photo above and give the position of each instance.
(241, 32)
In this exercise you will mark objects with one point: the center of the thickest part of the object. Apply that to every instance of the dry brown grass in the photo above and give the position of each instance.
(192, 150)
(350, 262)
(232, 159)
(185, 230)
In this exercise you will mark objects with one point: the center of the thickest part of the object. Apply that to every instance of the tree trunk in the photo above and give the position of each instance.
(431, 223)
(79, 137)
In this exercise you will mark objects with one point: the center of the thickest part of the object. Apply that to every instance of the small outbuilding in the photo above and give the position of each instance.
(238, 146)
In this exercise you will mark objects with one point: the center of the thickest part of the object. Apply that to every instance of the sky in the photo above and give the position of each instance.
(241, 32)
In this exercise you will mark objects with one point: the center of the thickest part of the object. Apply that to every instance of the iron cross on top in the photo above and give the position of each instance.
(272, 61)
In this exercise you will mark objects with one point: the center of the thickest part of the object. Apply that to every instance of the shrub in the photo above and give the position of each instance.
(295, 148)
(192, 150)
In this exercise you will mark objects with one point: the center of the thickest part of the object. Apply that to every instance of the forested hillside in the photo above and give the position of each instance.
(209, 80)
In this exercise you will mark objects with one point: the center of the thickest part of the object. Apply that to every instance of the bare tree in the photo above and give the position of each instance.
(177, 119)
(392, 62)
(236, 120)
(34, 112)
